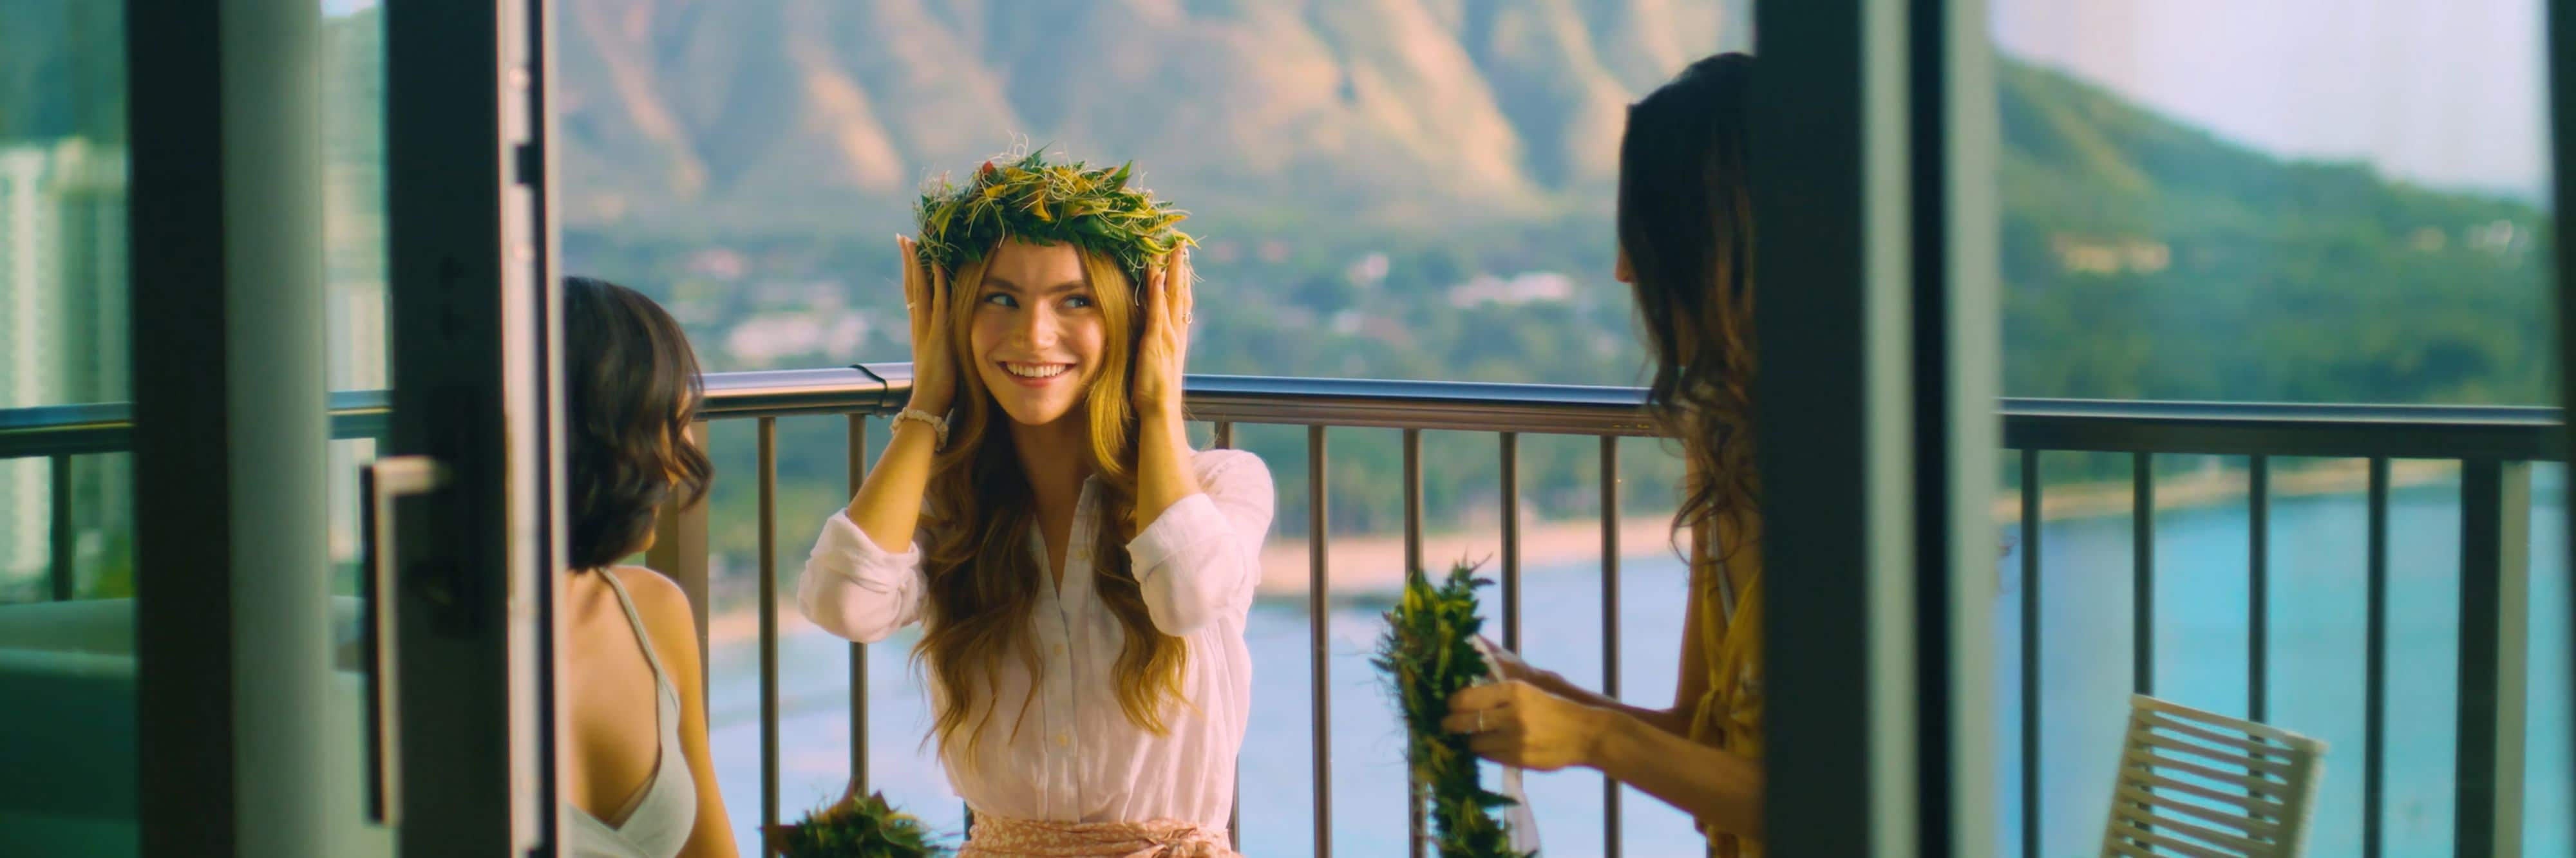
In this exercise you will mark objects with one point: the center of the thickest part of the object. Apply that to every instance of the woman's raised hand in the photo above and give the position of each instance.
(934, 362)
(1166, 345)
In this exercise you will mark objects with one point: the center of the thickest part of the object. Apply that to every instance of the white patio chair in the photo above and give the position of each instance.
(2198, 785)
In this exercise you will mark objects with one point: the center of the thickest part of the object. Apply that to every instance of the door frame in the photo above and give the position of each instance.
(476, 383)
(232, 644)
(2562, 150)
(225, 223)
(1873, 136)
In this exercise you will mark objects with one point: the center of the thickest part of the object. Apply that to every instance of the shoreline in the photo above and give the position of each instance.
(1372, 565)
(2212, 486)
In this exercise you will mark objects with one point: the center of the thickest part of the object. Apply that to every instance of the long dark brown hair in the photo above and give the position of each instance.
(984, 580)
(631, 388)
(1686, 225)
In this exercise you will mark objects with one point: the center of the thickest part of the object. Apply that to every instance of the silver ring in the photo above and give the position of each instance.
(1187, 315)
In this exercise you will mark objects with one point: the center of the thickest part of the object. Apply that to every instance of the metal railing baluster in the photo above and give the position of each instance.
(2258, 588)
(1610, 828)
(768, 629)
(1511, 502)
(1413, 797)
(858, 451)
(2374, 724)
(2142, 574)
(61, 558)
(1221, 436)
(2030, 529)
(1318, 606)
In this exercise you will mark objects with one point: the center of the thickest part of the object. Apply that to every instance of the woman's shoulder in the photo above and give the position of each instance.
(661, 603)
(648, 588)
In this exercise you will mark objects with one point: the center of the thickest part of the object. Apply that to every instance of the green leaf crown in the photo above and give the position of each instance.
(1030, 199)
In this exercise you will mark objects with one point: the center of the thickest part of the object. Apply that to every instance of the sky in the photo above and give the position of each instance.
(2446, 93)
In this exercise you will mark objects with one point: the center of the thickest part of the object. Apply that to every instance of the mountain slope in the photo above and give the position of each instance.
(2145, 258)
(794, 114)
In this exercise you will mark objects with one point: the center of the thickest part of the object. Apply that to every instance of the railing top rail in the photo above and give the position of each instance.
(1465, 406)
(2513, 433)
(1439, 405)
(878, 388)
(108, 427)
(2213, 428)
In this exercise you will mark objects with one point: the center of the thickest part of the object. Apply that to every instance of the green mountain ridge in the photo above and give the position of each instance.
(2142, 257)
(2146, 258)
(793, 113)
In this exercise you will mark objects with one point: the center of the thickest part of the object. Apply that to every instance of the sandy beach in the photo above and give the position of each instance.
(2214, 486)
(1374, 563)
(1370, 565)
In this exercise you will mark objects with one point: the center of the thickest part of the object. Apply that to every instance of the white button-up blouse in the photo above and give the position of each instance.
(1074, 756)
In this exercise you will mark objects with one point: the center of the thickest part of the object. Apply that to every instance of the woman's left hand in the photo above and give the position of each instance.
(1166, 345)
(1518, 724)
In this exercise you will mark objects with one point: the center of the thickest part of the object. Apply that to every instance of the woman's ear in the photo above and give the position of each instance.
(1620, 270)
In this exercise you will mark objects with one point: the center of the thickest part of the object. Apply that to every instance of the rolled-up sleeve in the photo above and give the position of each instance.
(1201, 559)
(856, 589)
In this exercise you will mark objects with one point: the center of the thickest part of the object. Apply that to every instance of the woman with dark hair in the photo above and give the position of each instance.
(1685, 247)
(639, 784)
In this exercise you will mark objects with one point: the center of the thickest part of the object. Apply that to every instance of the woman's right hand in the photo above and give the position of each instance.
(934, 362)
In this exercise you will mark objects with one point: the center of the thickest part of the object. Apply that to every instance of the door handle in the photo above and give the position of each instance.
(380, 484)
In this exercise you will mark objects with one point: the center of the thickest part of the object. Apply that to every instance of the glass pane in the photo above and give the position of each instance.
(353, 230)
(2287, 202)
(66, 520)
(355, 369)
(2548, 788)
(1389, 191)
(2314, 201)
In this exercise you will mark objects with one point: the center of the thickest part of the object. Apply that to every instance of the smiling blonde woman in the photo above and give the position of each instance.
(1080, 574)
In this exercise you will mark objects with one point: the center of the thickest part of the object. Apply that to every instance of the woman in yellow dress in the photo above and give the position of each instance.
(1685, 247)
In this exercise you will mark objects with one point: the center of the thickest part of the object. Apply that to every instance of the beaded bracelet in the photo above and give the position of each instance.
(936, 423)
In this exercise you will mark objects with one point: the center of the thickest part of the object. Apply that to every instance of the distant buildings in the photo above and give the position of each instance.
(1519, 289)
(2078, 254)
(63, 335)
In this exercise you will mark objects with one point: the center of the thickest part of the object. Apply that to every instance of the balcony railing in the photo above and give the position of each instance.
(1225, 401)
(2493, 447)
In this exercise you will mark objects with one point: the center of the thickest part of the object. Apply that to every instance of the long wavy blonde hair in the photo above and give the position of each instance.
(984, 580)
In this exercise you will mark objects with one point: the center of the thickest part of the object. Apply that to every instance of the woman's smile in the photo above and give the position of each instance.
(1036, 374)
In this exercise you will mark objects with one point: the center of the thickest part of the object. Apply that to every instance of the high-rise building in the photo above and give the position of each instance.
(63, 337)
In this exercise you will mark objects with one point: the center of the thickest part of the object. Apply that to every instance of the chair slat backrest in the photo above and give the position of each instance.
(2195, 784)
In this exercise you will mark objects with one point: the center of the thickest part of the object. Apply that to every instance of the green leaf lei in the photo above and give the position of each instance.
(1426, 657)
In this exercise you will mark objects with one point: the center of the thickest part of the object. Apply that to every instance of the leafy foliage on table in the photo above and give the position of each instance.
(1426, 656)
(857, 827)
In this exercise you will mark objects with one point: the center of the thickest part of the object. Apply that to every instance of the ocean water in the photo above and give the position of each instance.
(2200, 632)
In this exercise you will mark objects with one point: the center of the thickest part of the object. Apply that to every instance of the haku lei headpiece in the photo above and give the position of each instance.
(1035, 201)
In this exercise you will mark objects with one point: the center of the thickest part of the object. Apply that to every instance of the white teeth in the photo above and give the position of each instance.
(1047, 371)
